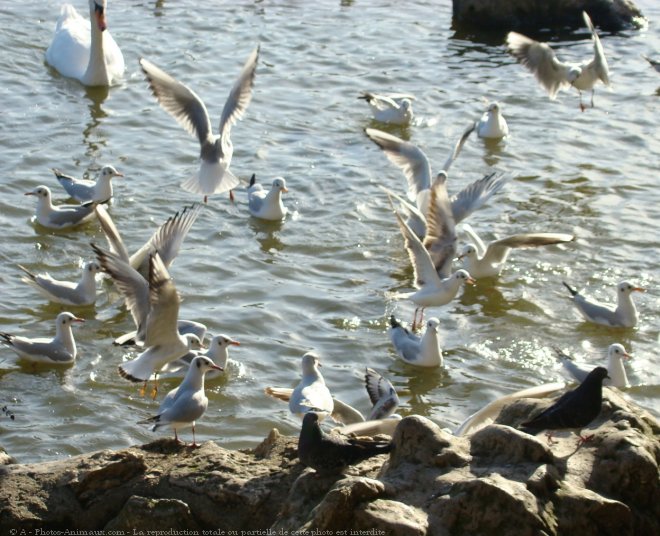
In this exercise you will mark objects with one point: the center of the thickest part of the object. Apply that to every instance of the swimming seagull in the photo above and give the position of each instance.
(421, 351)
(218, 352)
(492, 123)
(186, 403)
(330, 454)
(84, 49)
(267, 204)
(61, 350)
(487, 260)
(187, 108)
(60, 216)
(616, 353)
(553, 74)
(83, 190)
(81, 293)
(623, 315)
(431, 289)
(392, 108)
(573, 410)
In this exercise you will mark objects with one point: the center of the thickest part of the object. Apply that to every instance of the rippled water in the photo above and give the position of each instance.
(321, 279)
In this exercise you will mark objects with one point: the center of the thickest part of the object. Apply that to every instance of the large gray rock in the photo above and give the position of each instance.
(497, 481)
(505, 15)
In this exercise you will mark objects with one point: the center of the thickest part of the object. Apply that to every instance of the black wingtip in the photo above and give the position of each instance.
(253, 179)
(570, 289)
(394, 322)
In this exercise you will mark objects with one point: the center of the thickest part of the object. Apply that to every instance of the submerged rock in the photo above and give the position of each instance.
(497, 481)
(505, 15)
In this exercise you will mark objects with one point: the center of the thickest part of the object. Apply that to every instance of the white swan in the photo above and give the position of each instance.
(85, 51)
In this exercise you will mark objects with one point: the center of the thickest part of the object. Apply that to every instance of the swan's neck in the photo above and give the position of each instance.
(97, 71)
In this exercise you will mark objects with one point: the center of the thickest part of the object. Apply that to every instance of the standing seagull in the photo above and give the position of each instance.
(311, 394)
(492, 123)
(61, 216)
(392, 108)
(624, 315)
(415, 350)
(61, 350)
(573, 410)
(487, 260)
(187, 108)
(553, 74)
(83, 190)
(330, 454)
(267, 205)
(81, 293)
(186, 403)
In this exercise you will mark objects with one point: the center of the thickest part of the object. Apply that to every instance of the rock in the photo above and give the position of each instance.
(525, 15)
(5, 459)
(497, 481)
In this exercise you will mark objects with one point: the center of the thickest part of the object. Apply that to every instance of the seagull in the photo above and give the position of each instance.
(84, 49)
(487, 260)
(431, 289)
(341, 411)
(311, 394)
(186, 403)
(154, 305)
(187, 108)
(422, 351)
(653, 63)
(573, 410)
(382, 394)
(267, 205)
(81, 293)
(330, 454)
(218, 352)
(61, 350)
(392, 108)
(61, 216)
(623, 315)
(616, 353)
(553, 74)
(83, 190)
(492, 123)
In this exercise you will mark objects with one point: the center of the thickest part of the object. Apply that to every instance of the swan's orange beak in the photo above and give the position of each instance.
(100, 17)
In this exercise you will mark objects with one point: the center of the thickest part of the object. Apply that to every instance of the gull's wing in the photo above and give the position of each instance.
(423, 268)
(578, 373)
(41, 350)
(164, 300)
(341, 412)
(168, 237)
(179, 101)
(475, 195)
(407, 157)
(240, 95)
(111, 233)
(459, 145)
(382, 394)
(70, 214)
(540, 59)
(497, 250)
(440, 239)
(416, 219)
(130, 283)
(599, 62)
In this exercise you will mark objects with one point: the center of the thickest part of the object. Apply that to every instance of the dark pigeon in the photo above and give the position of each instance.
(330, 454)
(573, 410)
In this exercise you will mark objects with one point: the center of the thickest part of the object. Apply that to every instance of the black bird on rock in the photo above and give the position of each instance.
(573, 410)
(330, 454)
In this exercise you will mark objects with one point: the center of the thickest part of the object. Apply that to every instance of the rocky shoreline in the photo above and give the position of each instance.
(496, 481)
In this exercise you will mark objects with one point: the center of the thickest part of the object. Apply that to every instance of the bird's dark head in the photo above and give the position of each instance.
(599, 373)
(311, 418)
